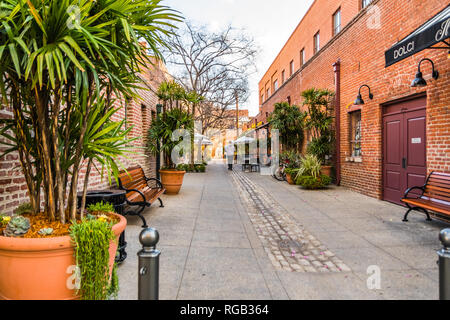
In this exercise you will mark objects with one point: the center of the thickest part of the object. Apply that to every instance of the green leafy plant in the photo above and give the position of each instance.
(319, 121)
(313, 183)
(92, 239)
(291, 159)
(101, 207)
(163, 130)
(17, 227)
(113, 289)
(309, 166)
(4, 220)
(53, 74)
(24, 209)
(289, 120)
(200, 168)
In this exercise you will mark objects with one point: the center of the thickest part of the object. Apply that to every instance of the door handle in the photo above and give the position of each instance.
(404, 163)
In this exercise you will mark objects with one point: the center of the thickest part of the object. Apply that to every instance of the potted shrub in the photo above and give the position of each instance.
(309, 175)
(319, 122)
(58, 75)
(165, 129)
(291, 159)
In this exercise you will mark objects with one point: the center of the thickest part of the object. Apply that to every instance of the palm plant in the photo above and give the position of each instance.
(163, 130)
(289, 120)
(319, 121)
(58, 57)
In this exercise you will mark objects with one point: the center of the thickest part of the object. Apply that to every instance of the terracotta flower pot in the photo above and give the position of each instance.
(289, 179)
(172, 180)
(40, 269)
(326, 170)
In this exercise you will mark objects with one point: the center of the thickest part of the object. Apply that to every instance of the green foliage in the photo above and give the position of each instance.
(18, 226)
(113, 289)
(4, 220)
(92, 239)
(200, 168)
(54, 70)
(289, 120)
(319, 121)
(188, 167)
(24, 209)
(313, 183)
(101, 207)
(309, 166)
(291, 159)
(163, 129)
(106, 141)
(322, 146)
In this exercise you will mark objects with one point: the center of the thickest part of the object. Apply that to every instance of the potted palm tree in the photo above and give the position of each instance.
(319, 122)
(166, 130)
(61, 64)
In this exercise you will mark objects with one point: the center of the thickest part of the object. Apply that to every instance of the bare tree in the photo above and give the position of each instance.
(215, 66)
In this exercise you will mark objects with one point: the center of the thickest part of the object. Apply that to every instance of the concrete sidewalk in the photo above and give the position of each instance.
(214, 248)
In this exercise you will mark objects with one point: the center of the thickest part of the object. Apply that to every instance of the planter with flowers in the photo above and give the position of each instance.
(60, 87)
(291, 160)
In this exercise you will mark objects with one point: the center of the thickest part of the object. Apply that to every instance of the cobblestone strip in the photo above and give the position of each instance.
(289, 246)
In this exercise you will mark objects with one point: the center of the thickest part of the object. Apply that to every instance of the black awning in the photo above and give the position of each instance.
(435, 30)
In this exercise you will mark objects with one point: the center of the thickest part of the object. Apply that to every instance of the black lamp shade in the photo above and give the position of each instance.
(359, 100)
(419, 81)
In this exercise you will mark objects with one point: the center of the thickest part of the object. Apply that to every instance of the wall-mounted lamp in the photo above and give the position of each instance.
(359, 100)
(419, 81)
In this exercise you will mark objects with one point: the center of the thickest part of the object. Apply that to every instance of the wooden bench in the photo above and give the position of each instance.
(433, 196)
(140, 193)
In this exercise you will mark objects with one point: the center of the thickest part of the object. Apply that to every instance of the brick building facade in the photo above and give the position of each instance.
(138, 113)
(354, 56)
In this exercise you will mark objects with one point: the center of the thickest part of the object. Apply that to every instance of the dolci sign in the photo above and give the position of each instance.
(437, 29)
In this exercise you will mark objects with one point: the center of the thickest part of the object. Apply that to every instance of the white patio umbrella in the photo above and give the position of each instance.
(201, 139)
(244, 140)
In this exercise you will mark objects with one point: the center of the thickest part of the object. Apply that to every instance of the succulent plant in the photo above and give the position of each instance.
(18, 226)
(24, 208)
(46, 231)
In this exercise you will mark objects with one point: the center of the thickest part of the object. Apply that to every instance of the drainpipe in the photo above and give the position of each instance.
(337, 82)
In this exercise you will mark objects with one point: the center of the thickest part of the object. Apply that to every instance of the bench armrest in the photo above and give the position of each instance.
(137, 191)
(158, 182)
(411, 189)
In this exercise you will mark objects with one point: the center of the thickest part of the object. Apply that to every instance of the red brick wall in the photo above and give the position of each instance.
(13, 190)
(361, 53)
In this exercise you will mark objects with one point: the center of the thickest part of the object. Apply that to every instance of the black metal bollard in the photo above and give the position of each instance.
(444, 265)
(148, 282)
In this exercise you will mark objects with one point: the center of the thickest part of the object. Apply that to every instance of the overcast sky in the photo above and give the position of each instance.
(270, 23)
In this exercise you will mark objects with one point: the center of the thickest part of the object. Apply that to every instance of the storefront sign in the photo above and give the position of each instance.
(437, 29)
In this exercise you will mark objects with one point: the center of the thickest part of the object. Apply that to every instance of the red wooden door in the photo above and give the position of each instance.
(404, 139)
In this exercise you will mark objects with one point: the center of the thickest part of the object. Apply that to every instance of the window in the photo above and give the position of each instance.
(275, 85)
(291, 68)
(365, 3)
(302, 57)
(337, 22)
(317, 42)
(283, 76)
(355, 131)
(268, 93)
(262, 98)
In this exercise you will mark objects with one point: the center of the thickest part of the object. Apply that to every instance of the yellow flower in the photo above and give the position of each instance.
(6, 219)
(103, 218)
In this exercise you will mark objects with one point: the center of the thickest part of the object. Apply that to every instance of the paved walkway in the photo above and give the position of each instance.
(246, 236)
